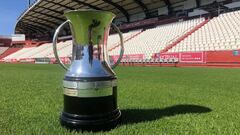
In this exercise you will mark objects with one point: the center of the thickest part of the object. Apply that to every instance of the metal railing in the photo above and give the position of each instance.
(32, 3)
(179, 35)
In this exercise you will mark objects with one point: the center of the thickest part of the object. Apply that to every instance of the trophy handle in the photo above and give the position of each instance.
(121, 45)
(55, 38)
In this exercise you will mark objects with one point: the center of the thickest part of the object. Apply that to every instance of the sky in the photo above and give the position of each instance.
(10, 10)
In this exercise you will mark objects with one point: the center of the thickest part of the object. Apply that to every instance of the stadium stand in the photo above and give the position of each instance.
(221, 33)
(43, 51)
(18, 53)
(3, 49)
(8, 52)
(205, 31)
(114, 41)
(184, 36)
(34, 51)
(64, 48)
(154, 40)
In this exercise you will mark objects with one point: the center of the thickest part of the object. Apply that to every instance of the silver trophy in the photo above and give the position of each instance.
(90, 84)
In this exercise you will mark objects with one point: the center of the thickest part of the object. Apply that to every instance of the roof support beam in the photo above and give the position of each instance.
(144, 7)
(32, 29)
(61, 5)
(169, 6)
(58, 18)
(87, 4)
(36, 28)
(198, 3)
(120, 8)
(221, 5)
(46, 20)
(42, 24)
(28, 30)
(50, 10)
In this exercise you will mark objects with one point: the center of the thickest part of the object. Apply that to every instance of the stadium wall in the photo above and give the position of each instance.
(5, 42)
(185, 59)
(223, 56)
(228, 56)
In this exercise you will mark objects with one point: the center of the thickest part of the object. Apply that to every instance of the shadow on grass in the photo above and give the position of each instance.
(130, 116)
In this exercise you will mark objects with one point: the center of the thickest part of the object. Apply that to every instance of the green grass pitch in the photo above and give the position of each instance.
(153, 100)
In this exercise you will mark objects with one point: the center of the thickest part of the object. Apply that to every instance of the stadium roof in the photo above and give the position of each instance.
(44, 16)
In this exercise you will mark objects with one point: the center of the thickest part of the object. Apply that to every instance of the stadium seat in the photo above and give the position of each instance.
(64, 48)
(220, 33)
(17, 54)
(3, 49)
(155, 39)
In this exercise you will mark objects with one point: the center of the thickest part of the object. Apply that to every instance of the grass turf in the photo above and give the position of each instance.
(153, 100)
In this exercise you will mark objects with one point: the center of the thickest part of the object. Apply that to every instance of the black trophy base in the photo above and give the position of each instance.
(102, 122)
